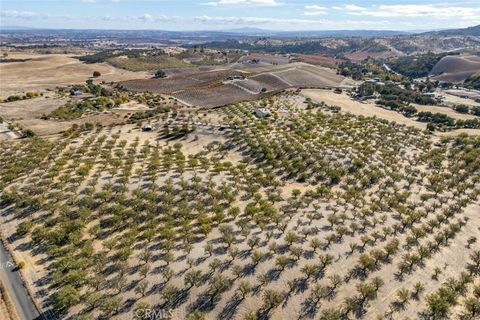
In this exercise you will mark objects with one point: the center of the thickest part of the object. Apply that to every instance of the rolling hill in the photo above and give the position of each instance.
(455, 68)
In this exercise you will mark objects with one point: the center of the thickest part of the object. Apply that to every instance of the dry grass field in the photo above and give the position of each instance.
(304, 75)
(367, 109)
(265, 58)
(147, 63)
(451, 99)
(49, 71)
(308, 214)
(359, 56)
(28, 113)
(320, 60)
(370, 109)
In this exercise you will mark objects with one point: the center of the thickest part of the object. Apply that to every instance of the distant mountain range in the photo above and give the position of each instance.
(14, 28)
(257, 32)
(470, 31)
(316, 33)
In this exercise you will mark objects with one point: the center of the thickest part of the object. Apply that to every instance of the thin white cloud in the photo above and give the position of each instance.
(14, 14)
(441, 11)
(263, 3)
(315, 10)
(315, 17)
(146, 18)
(289, 24)
(354, 8)
(250, 20)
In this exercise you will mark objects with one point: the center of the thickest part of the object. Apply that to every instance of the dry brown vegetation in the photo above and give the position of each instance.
(147, 63)
(359, 56)
(370, 109)
(321, 60)
(266, 58)
(7, 308)
(216, 96)
(212, 88)
(28, 113)
(177, 83)
(40, 72)
(35, 114)
(307, 214)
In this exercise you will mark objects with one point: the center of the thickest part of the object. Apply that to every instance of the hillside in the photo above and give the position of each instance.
(415, 66)
(360, 47)
(456, 68)
(470, 31)
(382, 47)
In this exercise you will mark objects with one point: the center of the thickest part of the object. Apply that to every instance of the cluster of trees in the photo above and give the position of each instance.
(72, 110)
(393, 92)
(353, 70)
(368, 69)
(159, 74)
(104, 55)
(141, 115)
(104, 99)
(416, 66)
(473, 81)
(440, 303)
(463, 108)
(118, 217)
(395, 98)
(21, 158)
(307, 46)
(28, 95)
(151, 59)
(440, 120)
(97, 89)
(200, 56)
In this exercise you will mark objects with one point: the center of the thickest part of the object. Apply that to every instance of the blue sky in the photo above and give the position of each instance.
(231, 14)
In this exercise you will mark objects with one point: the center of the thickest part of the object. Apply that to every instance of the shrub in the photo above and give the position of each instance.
(13, 98)
(160, 74)
(31, 94)
(461, 108)
(24, 227)
(27, 133)
(475, 111)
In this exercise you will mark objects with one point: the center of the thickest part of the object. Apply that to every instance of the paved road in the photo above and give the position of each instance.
(14, 285)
